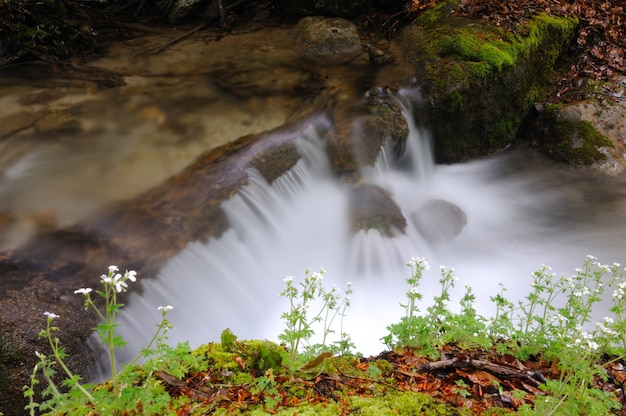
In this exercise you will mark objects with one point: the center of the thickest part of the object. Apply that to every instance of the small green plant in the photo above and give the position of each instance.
(266, 387)
(426, 332)
(551, 321)
(299, 325)
(122, 390)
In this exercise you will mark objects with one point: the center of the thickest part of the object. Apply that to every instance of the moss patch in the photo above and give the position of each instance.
(575, 143)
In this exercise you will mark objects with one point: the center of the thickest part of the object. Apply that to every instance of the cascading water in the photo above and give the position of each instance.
(521, 211)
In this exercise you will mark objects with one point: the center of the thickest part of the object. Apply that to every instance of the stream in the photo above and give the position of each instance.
(522, 210)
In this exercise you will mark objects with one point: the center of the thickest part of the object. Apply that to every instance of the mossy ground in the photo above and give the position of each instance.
(255, 378)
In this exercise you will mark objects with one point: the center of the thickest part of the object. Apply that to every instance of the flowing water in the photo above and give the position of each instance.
(522, 211)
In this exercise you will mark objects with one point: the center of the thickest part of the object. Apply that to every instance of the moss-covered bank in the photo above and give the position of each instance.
(481, 77)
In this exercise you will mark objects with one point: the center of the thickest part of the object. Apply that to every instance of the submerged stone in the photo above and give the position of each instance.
(372, 207)
(439, 221)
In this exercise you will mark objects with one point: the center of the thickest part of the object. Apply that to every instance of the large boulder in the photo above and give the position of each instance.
(480, 76)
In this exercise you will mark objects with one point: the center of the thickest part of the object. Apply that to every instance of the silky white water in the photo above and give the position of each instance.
(522, 211)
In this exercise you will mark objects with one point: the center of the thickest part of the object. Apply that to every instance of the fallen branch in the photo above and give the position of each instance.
(499, 370)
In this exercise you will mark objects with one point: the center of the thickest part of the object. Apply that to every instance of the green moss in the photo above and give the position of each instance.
(393, 403)
(578, 142)
(259, 355)
(575, 143)
(480, 76)
(480, 48)
(402, 403)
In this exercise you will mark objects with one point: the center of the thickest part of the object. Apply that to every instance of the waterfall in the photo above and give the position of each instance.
(521, 211)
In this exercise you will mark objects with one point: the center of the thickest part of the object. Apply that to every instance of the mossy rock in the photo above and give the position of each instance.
(480, 79)
(573, 142)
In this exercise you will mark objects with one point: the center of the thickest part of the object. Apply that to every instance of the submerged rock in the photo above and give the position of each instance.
(372, 207)
(439, 221)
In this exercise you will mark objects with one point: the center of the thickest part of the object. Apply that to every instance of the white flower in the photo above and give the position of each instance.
(116, 281)
(165, 308)
(418, 262)
(51, 315)
(83, 290)
(317, 276)
(120, 286)
(113, 269)
(131, 275)
(288, 279)
(592, 346)
(349, 284)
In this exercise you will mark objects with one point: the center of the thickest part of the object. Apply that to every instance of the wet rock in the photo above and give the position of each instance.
(589, 132)
(327, 40)
(184, 10)
(361, 132)
(387, 118)
(439, 221)
(373, 207)
(57, 121)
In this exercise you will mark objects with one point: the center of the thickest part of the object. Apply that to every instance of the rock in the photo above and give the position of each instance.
(184, 10)
(372, 207)
(439, 221)
(590, 132)
(477, 75)
(57, 121)
(327, 40)
(360, 133)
